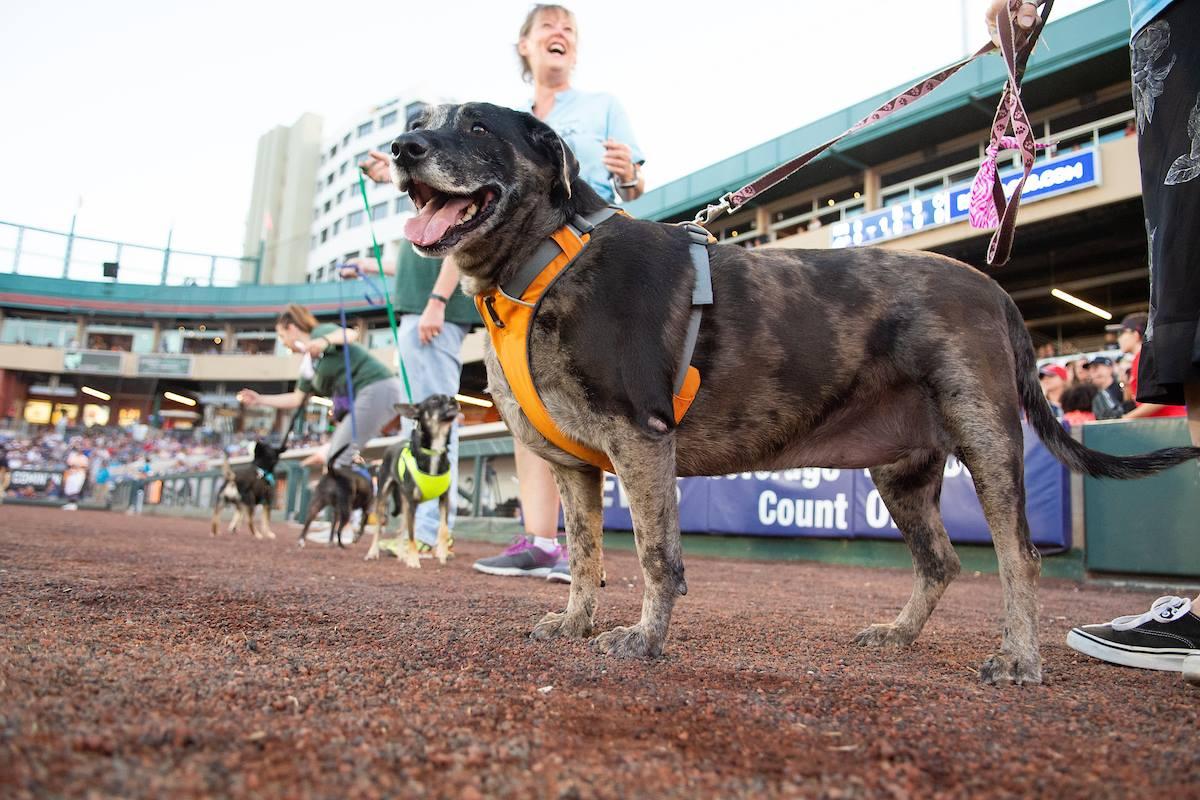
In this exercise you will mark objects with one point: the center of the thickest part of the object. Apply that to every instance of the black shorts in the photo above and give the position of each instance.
(1165, 59)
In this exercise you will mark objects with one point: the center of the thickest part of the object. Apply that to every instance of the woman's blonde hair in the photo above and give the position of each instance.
(527, 26)
(298, 315)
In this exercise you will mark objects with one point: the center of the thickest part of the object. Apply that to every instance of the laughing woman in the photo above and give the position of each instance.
(323, 373)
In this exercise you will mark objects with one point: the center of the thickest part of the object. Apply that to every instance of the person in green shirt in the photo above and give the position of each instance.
(377, 390)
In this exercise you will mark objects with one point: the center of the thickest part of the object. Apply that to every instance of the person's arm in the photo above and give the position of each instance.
(622, 156)
(320, 344)
(1143, 410)
(292, 399)
(369, 267)
(433, 318)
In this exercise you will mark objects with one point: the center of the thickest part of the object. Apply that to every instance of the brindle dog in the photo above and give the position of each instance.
(854, 358)
(433, 421)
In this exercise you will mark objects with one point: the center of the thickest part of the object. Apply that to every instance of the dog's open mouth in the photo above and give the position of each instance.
(442, 218)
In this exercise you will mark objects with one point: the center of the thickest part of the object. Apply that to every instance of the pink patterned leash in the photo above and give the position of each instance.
(1010, 111)
(982, 212)
(1010, 108)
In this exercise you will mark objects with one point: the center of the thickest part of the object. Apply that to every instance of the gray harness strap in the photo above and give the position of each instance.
(701, 296)
(548, 250)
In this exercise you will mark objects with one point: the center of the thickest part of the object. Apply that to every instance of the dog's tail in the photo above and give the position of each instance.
(227, 471)
(1070, 452)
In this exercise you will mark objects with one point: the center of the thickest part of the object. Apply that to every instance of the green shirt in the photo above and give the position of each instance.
(415, 277)
(330, 377)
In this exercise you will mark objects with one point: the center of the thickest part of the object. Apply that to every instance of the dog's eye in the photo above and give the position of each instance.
(479, 130)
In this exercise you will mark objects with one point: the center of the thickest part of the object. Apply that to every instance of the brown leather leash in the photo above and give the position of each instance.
(1010, 111)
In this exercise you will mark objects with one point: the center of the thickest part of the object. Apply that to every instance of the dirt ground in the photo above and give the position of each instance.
(141, 658)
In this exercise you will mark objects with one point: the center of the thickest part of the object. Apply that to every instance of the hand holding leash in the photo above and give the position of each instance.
(377, 167)
(351, 269)
(1023, 13)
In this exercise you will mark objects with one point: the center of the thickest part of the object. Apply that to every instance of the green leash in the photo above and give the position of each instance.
(387, 298)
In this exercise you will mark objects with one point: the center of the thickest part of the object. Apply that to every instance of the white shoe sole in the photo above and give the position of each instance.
(1165, 659)
(559, 577)
(513, 572)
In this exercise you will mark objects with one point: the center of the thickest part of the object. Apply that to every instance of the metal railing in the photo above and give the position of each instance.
(28, 250)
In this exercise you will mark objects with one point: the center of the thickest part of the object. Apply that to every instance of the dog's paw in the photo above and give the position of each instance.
(300, 542)
(270, 533)
(412, 559)
(631, 642)
(884, 635)
(1005, 668)
(555, 624)
(372, 554)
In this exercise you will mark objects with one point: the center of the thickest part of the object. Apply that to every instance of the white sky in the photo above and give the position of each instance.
(151, 111)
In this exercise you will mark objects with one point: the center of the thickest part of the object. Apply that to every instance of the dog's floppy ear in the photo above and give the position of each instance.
(546, 141)
(406, 410)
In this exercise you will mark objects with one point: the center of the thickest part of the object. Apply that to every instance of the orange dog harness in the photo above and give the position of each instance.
(508, 312)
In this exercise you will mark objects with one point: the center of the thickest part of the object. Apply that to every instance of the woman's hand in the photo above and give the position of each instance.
(377, 167)
(432, 320)
(248, 397)
(316, 347)
(618, 160)
(1023, 13)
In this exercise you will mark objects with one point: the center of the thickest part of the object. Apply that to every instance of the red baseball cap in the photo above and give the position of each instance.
(1052, 369)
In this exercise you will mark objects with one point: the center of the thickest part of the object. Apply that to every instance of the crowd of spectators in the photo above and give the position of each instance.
(1100, 385)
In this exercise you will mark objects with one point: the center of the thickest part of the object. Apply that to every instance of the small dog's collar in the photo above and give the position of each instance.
(269, 477)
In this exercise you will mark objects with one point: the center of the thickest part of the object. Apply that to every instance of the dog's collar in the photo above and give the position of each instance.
(509, 309)
(430, 486)
(269, 477)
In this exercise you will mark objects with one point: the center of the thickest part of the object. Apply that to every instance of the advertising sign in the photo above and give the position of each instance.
(165, 366)
(92, 362)
(836, 503)
(1051, 177)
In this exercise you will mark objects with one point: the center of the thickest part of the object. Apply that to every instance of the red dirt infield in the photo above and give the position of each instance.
(141, 658)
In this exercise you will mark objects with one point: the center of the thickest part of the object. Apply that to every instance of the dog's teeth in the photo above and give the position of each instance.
(469, 212)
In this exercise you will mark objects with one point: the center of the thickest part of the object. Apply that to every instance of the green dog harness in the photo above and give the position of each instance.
(430, 486)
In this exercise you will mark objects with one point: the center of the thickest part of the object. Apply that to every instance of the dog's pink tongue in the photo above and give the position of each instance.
(435, 219)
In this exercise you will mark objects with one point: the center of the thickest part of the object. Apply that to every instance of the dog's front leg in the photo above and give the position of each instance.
(582, 493)
(380, 521)
(411, 557)
(442, 549)
(646, 467)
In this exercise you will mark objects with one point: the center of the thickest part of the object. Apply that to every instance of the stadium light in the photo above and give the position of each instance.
(1075, 301)
(475, 401)
(95, 393)
(178, 398)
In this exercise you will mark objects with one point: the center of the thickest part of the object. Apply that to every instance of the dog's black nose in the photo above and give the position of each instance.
(411, 147)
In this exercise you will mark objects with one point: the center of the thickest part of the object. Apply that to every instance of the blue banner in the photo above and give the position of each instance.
(1049, 177)
(832, 503)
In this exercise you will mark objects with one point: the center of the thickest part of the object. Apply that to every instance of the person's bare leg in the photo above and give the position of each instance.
(538, 493)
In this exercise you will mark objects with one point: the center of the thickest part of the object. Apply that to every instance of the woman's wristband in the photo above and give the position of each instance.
(435, 296)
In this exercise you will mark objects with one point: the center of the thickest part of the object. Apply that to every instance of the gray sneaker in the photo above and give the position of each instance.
(561, 571)
(522, 557)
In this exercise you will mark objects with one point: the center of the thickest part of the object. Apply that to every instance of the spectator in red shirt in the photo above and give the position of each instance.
(1130, 333)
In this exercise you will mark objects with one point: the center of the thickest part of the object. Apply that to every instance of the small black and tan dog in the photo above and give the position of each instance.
(248, 487)
(343, 489)
(418, 470)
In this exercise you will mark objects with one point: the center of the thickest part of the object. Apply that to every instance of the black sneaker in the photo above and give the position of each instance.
(522, 557)
(1159, 639)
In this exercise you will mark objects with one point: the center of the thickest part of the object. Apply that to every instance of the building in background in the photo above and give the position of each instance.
(306, 208)
(280, 213)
